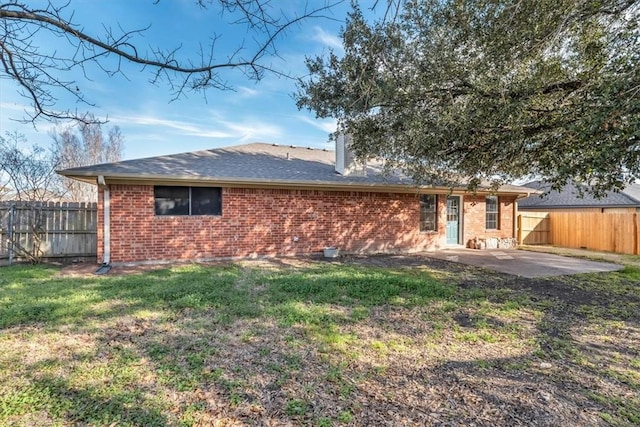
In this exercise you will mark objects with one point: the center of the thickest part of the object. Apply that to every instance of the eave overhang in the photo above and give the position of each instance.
(235, 182)
(557, 207)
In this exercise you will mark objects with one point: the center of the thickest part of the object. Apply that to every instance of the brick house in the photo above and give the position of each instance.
(266, 200)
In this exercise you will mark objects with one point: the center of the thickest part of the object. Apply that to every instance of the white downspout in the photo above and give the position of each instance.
(106, 254)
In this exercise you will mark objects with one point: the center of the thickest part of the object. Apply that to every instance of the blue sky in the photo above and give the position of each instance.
(153, 125)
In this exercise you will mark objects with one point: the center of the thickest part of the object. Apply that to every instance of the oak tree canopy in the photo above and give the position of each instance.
(453, 91)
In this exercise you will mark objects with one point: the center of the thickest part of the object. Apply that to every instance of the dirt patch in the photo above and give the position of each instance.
(89, 269)
(276, 263)
(500, 350)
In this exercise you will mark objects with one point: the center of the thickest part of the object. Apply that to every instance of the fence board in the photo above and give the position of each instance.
(601, 231)
(49, 230)
(612, 232)
(534, 228)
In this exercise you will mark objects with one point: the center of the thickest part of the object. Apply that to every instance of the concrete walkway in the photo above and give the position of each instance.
(524, 263)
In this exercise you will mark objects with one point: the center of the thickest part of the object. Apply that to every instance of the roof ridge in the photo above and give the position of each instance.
(273, 144)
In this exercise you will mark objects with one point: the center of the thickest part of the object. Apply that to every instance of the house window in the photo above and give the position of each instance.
(428, 212)
(187, 200)
(493, 213)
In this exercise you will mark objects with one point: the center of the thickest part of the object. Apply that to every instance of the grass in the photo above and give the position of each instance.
(318, 344)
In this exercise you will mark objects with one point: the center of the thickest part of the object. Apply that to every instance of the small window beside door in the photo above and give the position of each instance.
(493, 213)
(428, 212)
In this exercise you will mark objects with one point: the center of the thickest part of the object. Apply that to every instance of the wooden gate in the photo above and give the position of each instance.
(534, 228)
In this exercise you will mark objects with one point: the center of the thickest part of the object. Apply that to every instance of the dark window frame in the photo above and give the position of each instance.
(492, 213)
(428, 209)
(200, 208)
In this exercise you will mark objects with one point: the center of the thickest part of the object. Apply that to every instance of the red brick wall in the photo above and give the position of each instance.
(474, 218)
(265, 221)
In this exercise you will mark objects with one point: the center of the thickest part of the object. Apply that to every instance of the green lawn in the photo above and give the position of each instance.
(318, 343)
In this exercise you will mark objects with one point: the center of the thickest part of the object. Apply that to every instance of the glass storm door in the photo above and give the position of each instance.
(453, 220)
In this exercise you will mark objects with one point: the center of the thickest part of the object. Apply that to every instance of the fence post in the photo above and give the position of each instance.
(12, 212)
(635, 234)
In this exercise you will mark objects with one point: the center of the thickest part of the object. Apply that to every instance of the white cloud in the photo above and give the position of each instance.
(218, 126)
(14, 107)
(328, 125)
(188, 129)
(247, 92)
(327, 39)
(253, 130)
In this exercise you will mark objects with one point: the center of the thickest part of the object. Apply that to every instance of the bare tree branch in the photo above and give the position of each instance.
(28, 174)
(82, 145)
(39, 74)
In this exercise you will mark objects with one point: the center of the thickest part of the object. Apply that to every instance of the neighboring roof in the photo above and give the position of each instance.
(569, 197)
(256, 163)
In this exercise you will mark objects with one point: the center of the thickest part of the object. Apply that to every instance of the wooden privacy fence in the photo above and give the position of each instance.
(534, 228)
(601, 231)
(35, 230)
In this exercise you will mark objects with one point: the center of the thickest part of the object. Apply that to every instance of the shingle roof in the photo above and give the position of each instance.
(255, 163)
(569, 197)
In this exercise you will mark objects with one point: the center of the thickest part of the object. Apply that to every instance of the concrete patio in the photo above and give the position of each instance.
(524, 263)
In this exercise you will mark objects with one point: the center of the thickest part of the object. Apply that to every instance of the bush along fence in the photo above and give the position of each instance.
(36, 231)
(602, 231)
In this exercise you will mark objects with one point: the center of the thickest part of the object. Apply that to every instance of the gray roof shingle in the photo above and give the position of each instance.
(569, 197)
(256, 162)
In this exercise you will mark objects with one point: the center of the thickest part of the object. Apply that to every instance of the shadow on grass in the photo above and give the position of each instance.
(228, 293)
(42, 298)
(586, 340)
(572, 389)
(189, 349)
(80, 406)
